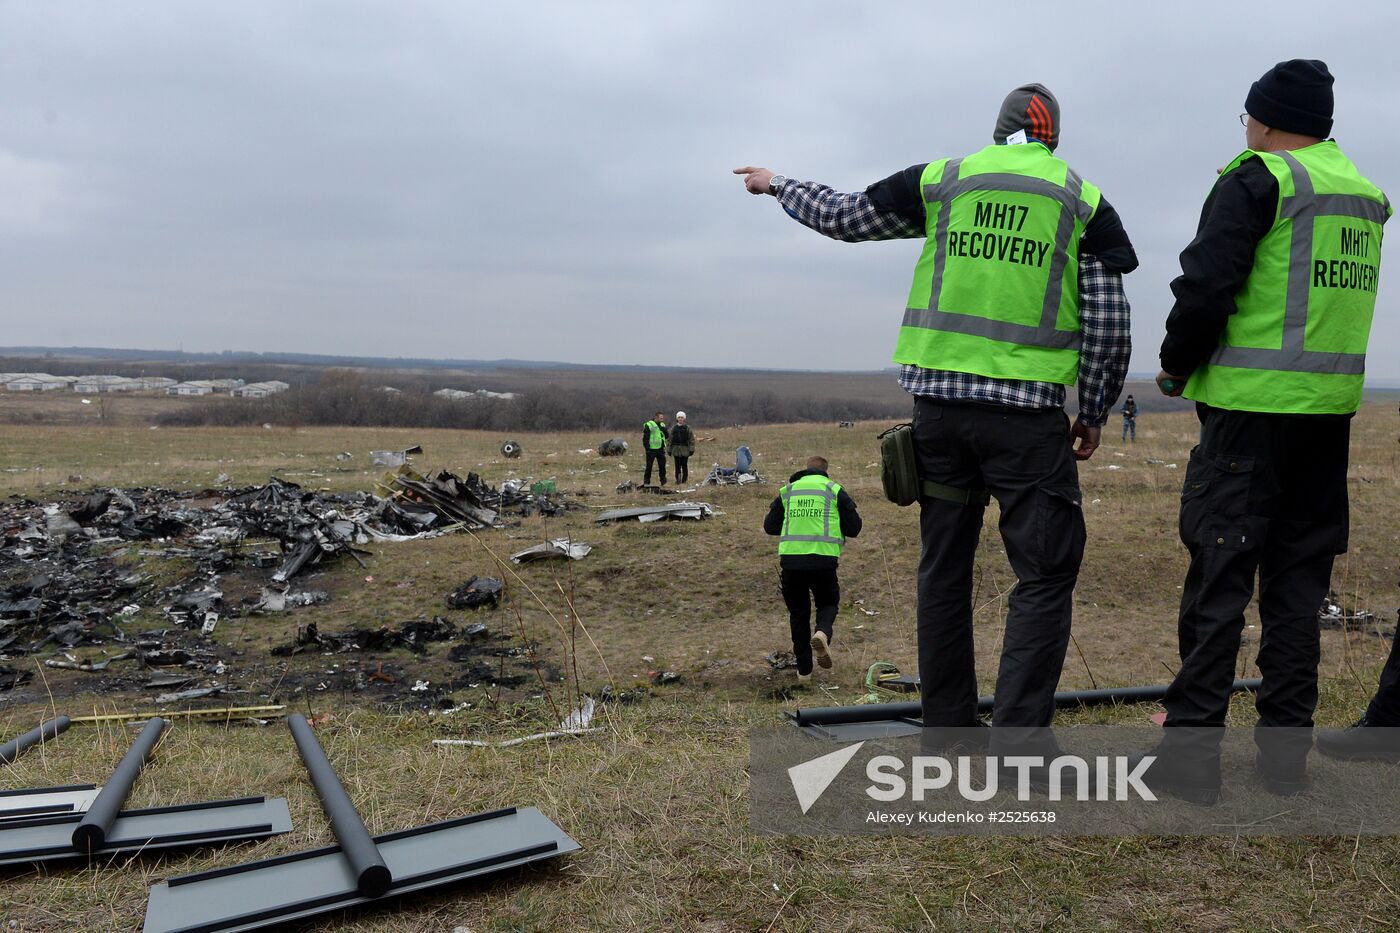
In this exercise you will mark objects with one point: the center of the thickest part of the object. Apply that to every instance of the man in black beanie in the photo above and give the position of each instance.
(1017, 296)
(1268, 336)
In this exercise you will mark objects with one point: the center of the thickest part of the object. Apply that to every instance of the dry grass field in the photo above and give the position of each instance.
(658, 800)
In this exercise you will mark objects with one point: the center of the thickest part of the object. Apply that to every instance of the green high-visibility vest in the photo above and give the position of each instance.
(1297, 340)
(655, 439)
(811, 524)
(996, 291)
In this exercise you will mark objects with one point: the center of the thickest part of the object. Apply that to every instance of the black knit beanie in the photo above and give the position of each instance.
(1294, 96)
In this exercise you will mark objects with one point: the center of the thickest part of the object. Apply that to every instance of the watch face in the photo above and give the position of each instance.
(776, 182)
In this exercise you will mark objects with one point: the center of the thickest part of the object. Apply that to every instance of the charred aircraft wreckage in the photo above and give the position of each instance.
(82, 576)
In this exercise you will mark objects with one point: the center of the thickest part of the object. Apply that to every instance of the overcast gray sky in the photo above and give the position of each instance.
(551, 180)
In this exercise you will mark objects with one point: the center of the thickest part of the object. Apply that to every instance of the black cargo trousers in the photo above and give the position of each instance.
(1023, 458)
(1385, 706)
(801, 587)
(658, 457)
(1265, 495)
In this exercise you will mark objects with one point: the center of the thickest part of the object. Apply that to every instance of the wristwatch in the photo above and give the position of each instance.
(775, 184)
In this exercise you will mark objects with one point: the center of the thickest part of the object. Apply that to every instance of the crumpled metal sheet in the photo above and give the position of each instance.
(560, 548)
(446, 494)
(695, 510)
(392, 458)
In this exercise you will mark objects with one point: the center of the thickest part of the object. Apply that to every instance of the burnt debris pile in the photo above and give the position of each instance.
(107, 567)
(446, 500)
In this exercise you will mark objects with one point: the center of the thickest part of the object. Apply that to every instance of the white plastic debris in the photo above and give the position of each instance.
(576, 723)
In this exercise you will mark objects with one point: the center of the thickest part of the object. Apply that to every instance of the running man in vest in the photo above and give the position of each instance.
(654, 443)
(1017, 294)
(1268, 336)
(813, 517)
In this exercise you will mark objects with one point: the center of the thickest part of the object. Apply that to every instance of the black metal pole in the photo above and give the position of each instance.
(44, 732)
(371, 874)
(91, 834)
(874, 712)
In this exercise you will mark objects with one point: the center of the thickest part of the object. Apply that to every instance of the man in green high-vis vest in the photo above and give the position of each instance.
(654, 445)
(812, 516)
(1268, 336)
(1017, 295)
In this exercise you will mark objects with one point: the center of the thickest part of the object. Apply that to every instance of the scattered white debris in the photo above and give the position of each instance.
(556, 734)
(581, 717)
(576, 723)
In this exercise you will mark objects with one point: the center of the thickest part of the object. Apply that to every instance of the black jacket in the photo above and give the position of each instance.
(681, 436)
(1214, 266)
(845, 508)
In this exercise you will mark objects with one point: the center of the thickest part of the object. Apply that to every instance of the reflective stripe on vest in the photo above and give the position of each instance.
(806, 541)
(1046, 334)
(1297, 341)
(654, 438)
(1301, 208)
(996, 290)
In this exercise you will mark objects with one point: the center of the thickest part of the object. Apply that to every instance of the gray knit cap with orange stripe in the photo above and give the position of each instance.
(1031, 107)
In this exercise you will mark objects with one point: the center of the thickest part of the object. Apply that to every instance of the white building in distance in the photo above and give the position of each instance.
(37, 382)
(458, 395)
(455, 395)
(204, 386)
(88, 385)
(261, 389)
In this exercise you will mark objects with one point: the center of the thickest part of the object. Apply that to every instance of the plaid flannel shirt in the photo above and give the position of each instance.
(1104, 315)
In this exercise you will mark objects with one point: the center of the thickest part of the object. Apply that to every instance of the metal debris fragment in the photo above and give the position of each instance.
(393, 458)
(558, 548)
(695, 510)
(612, 447)
(196, 694)
(475, 593)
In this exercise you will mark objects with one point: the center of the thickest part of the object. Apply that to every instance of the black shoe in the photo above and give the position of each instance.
(1199, 785)
(968, 739)
(1362, 741)
(1070, 784)
(1282, 779)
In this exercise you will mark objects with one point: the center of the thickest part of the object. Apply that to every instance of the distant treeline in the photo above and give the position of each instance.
(351, 399)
